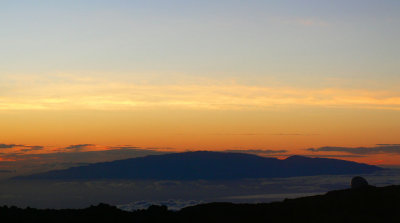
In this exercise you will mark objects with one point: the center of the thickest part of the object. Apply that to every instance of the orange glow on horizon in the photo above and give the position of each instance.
(202, 116)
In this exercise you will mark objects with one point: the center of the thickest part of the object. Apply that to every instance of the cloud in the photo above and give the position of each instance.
(124, 147)
(237, 134)
(310, 22)
(257, 151)
(301, 21)
(280, 155)
(32, 148)
(260, 134)
(9, 146)
(107, 94)
(171, 204)
(26, 147)
(293, 134)
(379, 149)
(162, 148)
(334, 155)
(78, 146)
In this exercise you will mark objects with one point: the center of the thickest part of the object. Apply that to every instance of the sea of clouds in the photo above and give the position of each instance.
(133, 194)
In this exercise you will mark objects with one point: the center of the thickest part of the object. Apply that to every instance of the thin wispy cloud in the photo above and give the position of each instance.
(21, 147)
(333, 155)
(237, 134)
(108, 95)
(78, 146)
(379, 149)
(301, 21)
(294, 134)
(261, 134)
(9, 146)
(32, 148)
(257, 151)
(123, 147)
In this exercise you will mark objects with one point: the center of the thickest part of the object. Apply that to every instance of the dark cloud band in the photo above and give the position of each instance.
(258, 151)
(78, 146)
(26, 147)
(380, 148)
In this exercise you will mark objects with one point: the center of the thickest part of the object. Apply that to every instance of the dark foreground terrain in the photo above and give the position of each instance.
(367, 204)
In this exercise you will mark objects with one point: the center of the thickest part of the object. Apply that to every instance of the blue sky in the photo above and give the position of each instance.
(245, 40)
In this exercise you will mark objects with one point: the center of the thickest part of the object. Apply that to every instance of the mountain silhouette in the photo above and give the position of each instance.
(208, 166)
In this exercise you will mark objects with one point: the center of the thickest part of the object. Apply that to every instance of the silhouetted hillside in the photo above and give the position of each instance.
(367, 204)
(209, 166)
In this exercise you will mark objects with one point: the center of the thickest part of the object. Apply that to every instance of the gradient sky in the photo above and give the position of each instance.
(202, 75)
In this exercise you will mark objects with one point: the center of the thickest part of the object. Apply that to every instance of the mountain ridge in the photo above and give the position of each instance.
(207, 165)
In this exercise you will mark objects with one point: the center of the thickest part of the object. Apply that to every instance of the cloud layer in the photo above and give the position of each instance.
(104, 94)
(25, 148)
(379, 149)
(78, 146)
(9, 146)
(258, 151)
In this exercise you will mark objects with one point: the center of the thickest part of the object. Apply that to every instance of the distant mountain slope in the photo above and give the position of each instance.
(208, 166)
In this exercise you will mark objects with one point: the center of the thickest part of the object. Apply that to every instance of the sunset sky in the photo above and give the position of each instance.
(275, 78)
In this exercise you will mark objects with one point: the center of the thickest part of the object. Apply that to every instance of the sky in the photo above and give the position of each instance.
(274, 78)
